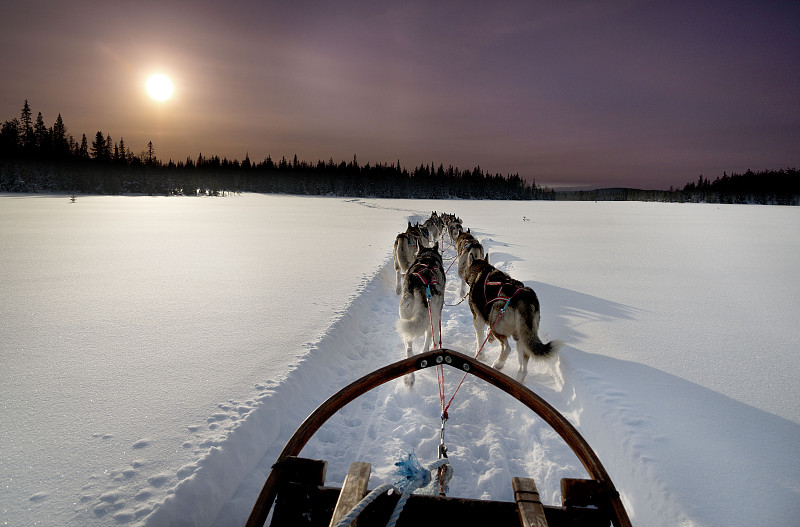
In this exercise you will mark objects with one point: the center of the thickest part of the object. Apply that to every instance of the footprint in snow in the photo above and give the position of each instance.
(142, 443)
(159, 480)
(39, 496)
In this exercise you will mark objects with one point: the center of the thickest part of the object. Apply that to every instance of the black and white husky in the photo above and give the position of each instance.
(467, 246)
(494, 295)
(422, 301)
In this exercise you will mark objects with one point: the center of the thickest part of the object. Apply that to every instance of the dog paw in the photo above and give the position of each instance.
(409, 380)
(498, 364)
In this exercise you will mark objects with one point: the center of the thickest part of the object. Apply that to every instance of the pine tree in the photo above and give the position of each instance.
(59, 138)
(26, 129)
(41, 139)
(150, 153)
(122, 156)
(83, 149)
(99, 147)
(108, 147)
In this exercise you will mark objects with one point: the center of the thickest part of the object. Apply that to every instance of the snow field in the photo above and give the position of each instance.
(157, 376)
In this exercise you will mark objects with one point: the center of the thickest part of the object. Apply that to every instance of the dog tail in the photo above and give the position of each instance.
(542, 350)
(539, 349)
(530, 332)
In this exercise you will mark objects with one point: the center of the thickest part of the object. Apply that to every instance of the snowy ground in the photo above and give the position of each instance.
(157, 352)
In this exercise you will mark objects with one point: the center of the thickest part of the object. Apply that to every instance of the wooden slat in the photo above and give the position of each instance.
(354, 489)
(582, 493)
(306, 471)
(531, 512)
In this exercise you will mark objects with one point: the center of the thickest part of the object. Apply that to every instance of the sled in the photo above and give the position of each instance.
(297, 486)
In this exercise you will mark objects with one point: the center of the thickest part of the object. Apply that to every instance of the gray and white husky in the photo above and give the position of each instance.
(467, 246)
(494, 295)
(422, 301)
(406, 245)
(435, 227)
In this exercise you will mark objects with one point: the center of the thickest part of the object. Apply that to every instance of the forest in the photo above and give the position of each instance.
(38, 158)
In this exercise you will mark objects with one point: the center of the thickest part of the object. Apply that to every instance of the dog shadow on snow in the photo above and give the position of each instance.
(698, 446)
(566, 305)
(692, 430)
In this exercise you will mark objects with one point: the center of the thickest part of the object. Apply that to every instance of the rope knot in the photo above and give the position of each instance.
(413, 475)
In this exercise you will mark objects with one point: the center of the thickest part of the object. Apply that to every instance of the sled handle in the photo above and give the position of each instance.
(462, 362)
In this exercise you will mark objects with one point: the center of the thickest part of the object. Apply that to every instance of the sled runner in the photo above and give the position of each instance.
(297, 485)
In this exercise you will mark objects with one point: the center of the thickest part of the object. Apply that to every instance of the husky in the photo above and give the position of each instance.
(405, 250)
(435, 227)
(467, 246)
(422, 301)
(454, 229)
(494, 295)
(419, 233)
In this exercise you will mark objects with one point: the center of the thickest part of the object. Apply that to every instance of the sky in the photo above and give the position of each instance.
(569, 94)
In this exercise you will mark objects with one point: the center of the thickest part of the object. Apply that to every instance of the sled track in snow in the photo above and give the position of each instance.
(490, 436)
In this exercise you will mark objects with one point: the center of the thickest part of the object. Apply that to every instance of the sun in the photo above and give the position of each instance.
(159, 87)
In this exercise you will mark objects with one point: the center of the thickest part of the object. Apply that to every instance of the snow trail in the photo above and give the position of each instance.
(490, 436)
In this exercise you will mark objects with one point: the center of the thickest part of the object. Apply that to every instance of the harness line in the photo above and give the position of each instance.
(451, 264)
(500, 316)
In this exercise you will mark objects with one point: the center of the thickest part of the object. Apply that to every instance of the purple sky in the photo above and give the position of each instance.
(618, 93)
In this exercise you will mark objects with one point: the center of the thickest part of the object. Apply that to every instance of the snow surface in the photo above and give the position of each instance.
(158, 352)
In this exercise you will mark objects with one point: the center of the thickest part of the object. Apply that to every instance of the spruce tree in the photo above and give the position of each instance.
(59, 138)
(26, 129)
(98, 146)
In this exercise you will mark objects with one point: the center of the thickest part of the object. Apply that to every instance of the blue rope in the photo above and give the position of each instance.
(413, 476)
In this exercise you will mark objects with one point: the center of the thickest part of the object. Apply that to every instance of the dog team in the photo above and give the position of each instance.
(507, 306)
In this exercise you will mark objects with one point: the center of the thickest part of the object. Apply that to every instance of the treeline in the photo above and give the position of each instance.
(35, 158)
(38, 158)
(767, 187)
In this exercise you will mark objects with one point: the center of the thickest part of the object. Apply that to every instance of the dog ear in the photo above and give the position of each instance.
(436, 246)
(487, 258)
(468, 231)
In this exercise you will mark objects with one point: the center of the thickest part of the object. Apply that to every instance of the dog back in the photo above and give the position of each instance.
(489, 285)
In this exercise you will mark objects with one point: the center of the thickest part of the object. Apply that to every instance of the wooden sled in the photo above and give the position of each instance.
(304, 500)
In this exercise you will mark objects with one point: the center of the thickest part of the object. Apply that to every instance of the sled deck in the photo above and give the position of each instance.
(297, 488)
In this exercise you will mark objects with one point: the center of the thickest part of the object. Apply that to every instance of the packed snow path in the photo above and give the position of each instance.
(152, 370)
(490, 436)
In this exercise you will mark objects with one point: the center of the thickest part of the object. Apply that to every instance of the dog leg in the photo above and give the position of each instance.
(479, 335)
(523, 364)
(428, 340)
(398, 284)
(409, 379)
(505, 348)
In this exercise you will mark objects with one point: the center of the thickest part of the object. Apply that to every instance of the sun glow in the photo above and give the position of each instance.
(159, 87)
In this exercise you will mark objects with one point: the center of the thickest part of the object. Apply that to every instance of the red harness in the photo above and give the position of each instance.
(421, 274)
(498, 286)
